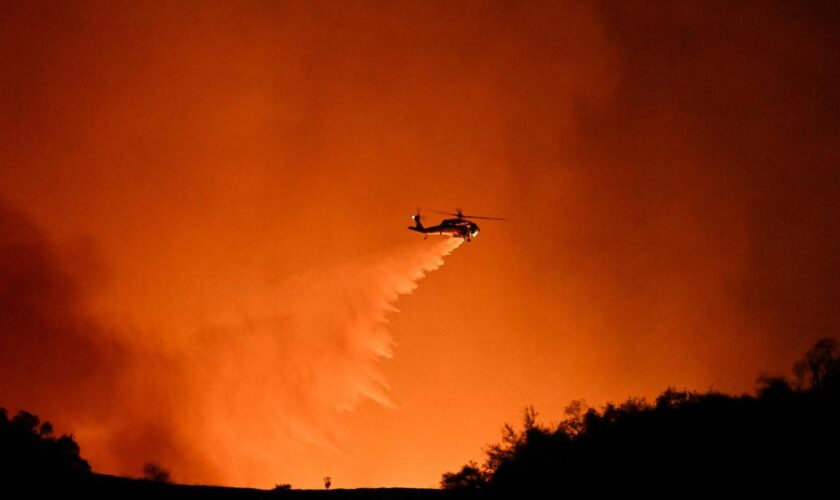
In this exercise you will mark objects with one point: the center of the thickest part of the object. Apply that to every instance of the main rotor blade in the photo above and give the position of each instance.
(462, 216)
(481, 217)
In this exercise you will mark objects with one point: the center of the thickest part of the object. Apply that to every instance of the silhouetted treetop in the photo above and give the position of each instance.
(154, 472)
(820, 367)
(784, 434)
(30, 452)
(471, 477)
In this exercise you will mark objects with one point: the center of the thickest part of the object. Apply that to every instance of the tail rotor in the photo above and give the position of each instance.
(416, 219)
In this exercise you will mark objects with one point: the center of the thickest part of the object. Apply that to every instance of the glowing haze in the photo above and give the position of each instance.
(203, 209)
(260, 382)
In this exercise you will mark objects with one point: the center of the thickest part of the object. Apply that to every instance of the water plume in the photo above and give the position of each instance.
(264, 383)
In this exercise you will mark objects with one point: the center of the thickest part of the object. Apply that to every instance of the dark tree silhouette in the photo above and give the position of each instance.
(470, 478)
(154, 472)
(30, 454)
(820, 367)
(683, 441)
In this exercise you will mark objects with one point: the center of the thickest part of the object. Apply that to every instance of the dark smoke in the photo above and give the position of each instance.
(55, 359)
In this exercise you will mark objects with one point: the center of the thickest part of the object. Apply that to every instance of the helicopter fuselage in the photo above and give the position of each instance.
(456, 228)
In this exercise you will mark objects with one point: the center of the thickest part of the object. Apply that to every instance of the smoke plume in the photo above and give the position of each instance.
(671, 168)
(235, 399)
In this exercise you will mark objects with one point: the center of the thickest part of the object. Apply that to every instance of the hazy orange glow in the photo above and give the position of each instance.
(203, 211)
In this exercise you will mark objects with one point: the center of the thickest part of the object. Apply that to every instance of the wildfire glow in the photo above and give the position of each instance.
(203, 221)
(267, 379)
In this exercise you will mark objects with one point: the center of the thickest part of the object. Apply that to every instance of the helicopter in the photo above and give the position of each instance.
(459, 227)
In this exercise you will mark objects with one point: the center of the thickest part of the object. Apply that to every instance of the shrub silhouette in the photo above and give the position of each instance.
(29, 453)
(156, 473)
(471, 477)
(821, 366)
(785, 434)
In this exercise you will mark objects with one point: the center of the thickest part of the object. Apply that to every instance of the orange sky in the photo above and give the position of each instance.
(167, 171)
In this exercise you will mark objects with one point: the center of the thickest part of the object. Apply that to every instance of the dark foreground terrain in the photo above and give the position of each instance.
(786, 437)
(35, 463)
(97, 485)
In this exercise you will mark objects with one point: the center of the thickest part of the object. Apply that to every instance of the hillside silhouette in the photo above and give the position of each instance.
(784, 435)
(34, 462)
(787, 434)
(31, 454)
